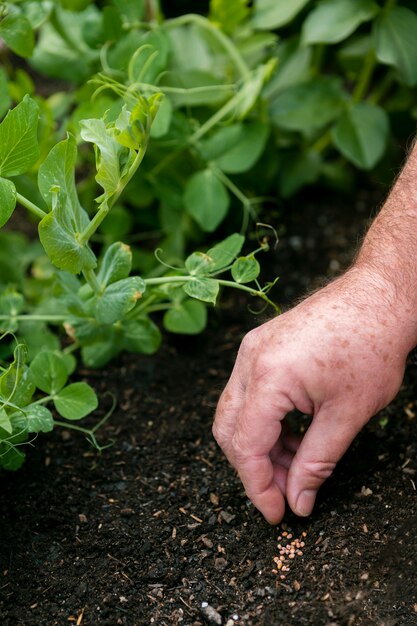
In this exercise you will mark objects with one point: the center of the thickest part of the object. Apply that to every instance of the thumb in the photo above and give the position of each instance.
(323, 445)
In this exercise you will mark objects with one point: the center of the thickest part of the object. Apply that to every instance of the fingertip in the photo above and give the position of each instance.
(304, 502)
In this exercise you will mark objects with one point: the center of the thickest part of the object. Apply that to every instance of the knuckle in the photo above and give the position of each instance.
(319, 471)
(219, 434)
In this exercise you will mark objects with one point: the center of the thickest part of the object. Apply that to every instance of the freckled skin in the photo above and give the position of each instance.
(337, 368)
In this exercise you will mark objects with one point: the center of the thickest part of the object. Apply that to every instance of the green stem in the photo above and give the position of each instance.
(34, 318)
(33, 208)
(183, 90)
(222, 39)
(91, 278)
(382, 88)
(106, 206)
(365, 77)
(225, 283)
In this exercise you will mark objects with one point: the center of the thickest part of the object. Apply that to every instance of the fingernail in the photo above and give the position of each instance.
(305, 502)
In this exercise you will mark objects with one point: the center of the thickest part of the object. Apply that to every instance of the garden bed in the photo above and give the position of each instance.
(157, 529)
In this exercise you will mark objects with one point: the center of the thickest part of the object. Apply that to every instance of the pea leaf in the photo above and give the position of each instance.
(17, 385)
(76, 401)
(223, 253)
(108, 155)
(11, 304)
(116, 264)
(18, 138)
(187, 318)
(228, 14)
(205, 289)
(361, 134)
(7, 200)
(16, 31)
(269, 14)
(199, 264)
(298, 169)
(309, 106)
(11, 458)
(49, 372)
(141, 335)
(235, 149)
(395, 36)
(206, 199)
(56, 176)
(35, 418)
(5, 99)
(5, 422)
(334, 20)
(118, 299)
(59, 236)
(245, 269)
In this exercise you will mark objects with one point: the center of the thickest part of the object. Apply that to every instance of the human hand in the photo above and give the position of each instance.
(338, 356)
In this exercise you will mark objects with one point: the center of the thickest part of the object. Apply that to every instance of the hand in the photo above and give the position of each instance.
(338, 356)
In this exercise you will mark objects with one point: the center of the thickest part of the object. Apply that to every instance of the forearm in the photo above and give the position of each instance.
(389, 250)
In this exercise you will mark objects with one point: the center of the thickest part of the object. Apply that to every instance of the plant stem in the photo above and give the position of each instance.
(105, 207)
(225, 283)
(365, 77)
(33, 208)
(382, 88)
(222, 39)
(34, 318)
(91, 278)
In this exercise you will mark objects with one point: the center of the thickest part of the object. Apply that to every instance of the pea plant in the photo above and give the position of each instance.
(102, 307)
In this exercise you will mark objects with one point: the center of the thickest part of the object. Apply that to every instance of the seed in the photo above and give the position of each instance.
(284, 534)
(289, 536)
(304, 534)
(299, 553)
(291, 556)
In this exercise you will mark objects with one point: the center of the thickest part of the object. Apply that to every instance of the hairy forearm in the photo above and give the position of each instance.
(389, 251)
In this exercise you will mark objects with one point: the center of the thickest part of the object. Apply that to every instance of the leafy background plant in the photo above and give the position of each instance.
(235, 106)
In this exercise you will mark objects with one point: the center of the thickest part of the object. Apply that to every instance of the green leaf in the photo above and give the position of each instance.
(269, 14)
(187, 318)
(11, 458)
(59, 231)
(199, 264)
(59, 237)
(141, 335)
(18, 139)
(5, 422)
(108, 155)
(16, 31)
(35, 418)
(5, 99)
(228, 14)
(131, 11)
(235, 149)
(294, 67)
(310, 106)
(334, 20)
(395, 40)
(56, 176)
(116, 264)
(118, 299)
(245, 269)
(17, 385)
(206, 199)
(298, 169)
(11, 304)
(361, 134)
(163, 119)
(205, 289)
(226, 251)
(7, 200)
(49, 372)
(252, 88)
(76, 401)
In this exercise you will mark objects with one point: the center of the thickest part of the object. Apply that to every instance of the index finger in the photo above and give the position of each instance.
(258, 428)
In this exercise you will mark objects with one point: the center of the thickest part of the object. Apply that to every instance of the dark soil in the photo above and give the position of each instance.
(157, 530)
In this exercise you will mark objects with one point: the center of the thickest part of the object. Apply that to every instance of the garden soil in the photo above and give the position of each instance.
(157, 529)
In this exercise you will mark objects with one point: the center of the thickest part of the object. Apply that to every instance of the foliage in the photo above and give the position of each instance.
(254, 101)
